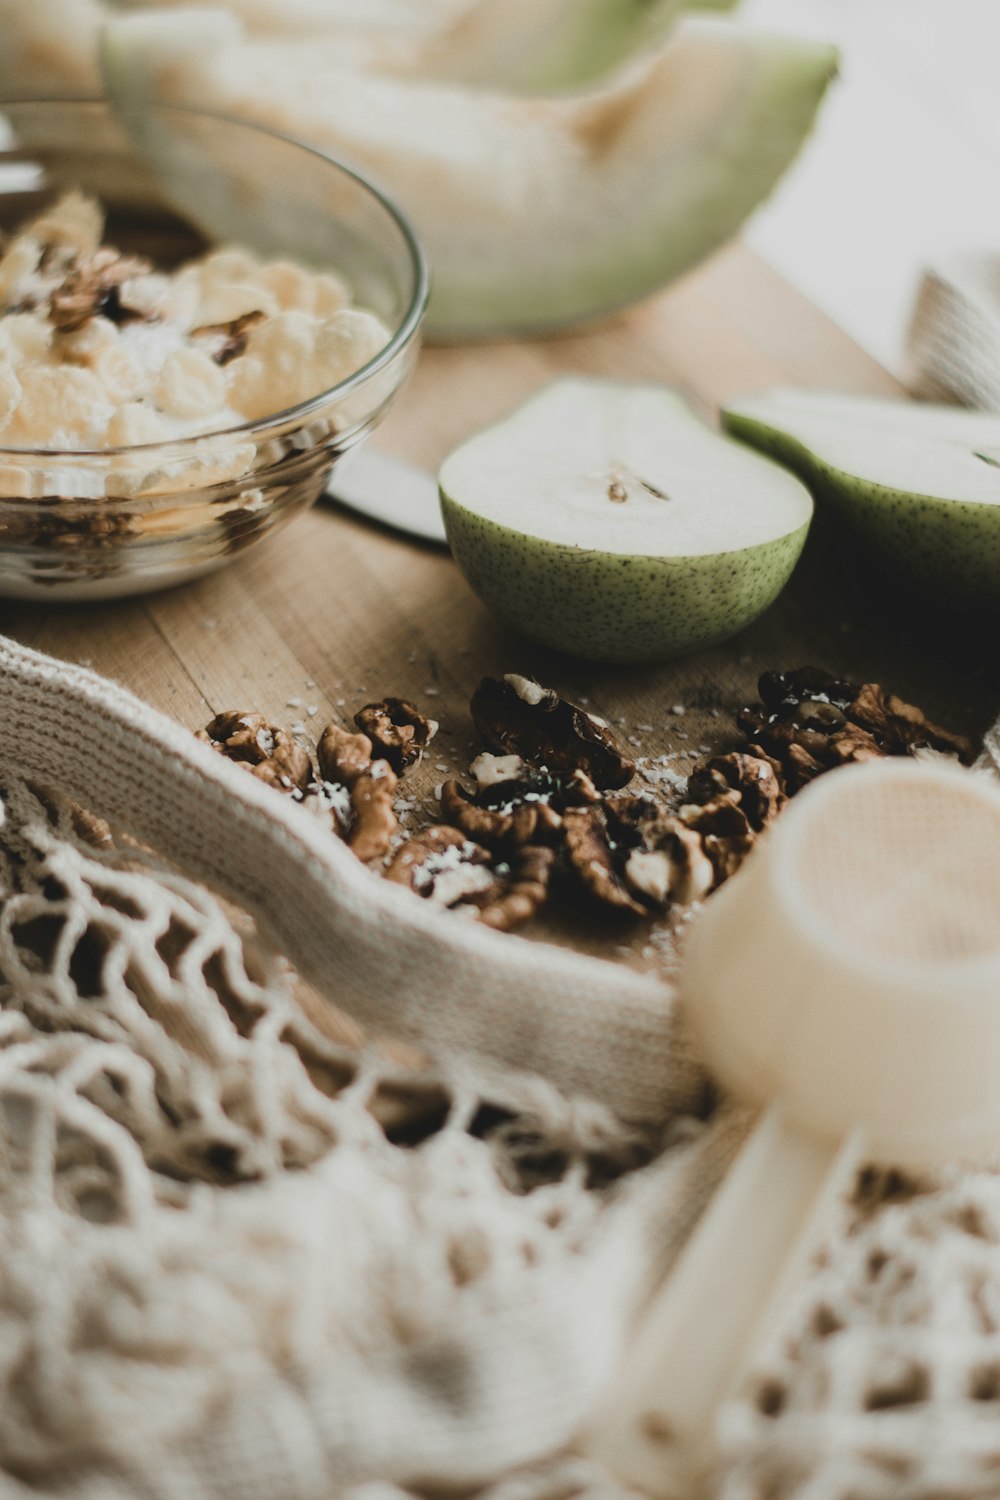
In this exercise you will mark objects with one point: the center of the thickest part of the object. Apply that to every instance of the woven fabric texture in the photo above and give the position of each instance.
(241, 1258)
(589, 1027)
(954, 344)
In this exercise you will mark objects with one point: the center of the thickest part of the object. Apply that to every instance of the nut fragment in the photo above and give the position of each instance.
(522, 823)
(634, 855)
(749, 780)
(367, 786)
(644, 826)
(494, 770)
(807, 688)
(375, 823)
(227, 341)
(265, 750)
(805, 706)
(725, 835)
(811, 722)
(91, 287)
(330, 803)
(444, 866)
(516, 716)
(524, 810)
(805, 725)
(900, 727)
(343, 756)
(524, 887)
(591, 857)
(398, 731)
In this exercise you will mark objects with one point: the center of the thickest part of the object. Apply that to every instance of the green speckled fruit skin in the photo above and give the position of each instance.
(612, 608)
(946, 550)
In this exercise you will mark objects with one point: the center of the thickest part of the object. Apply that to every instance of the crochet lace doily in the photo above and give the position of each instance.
(244, 1259)
(240, 1257)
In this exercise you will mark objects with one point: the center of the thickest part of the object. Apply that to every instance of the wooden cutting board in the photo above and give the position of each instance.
(332, 613)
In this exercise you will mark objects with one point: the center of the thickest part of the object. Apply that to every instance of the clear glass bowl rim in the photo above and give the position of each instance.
(402, 336)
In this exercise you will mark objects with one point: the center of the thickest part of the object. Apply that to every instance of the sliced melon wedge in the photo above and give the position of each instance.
(544, 46)
(49, 51)
(919, 485)
(608, 521)
(536, 213)
(523, 46)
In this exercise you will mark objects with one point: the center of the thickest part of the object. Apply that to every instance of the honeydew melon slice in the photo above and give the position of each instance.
(536, 212)
(606, 520)
(524, 46)
(919, 485)
(49, 51)
(544, 46)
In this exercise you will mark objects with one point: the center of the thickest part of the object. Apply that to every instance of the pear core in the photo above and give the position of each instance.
(606, 520)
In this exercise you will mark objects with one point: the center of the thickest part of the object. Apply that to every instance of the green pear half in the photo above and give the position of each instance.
(606, 520)
(535, 212)
(918, 485)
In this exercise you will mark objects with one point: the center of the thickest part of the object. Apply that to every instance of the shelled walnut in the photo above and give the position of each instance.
(524, 806)
(550, 796)
(751, 781)
(265, 750)
(93, 287)
(900, 727)
(516, 716)
(343, 756)
(345, 760)
(810, 722)
(444, 866)
(631, 854)
(398, 731)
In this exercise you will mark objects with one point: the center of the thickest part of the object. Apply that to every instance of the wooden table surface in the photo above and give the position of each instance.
(335, 612)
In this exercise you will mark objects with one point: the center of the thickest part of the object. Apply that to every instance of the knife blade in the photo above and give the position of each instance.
(390, 491)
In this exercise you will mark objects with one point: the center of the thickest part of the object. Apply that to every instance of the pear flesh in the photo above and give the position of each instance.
(608, 521)
(535, 212)
(917, 484)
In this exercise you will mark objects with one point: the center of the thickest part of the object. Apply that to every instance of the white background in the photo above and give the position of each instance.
(904, 166)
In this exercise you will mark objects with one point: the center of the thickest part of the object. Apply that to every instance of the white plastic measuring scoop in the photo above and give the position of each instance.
(848, 978)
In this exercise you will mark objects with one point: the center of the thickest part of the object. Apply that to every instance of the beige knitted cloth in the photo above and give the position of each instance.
(225, 1270)
(954, 338)
(241, 1259)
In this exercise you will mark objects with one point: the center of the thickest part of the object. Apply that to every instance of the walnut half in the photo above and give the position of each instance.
(265, 750)
(398, 731)
(524, 810)
(516, 716)
(345, 760)
(443, 866)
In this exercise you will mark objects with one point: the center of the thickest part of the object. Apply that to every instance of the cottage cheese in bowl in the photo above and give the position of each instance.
(100, 350)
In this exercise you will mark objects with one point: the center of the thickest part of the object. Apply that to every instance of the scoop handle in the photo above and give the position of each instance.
(655, 1426)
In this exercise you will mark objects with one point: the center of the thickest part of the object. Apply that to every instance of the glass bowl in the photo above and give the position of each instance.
(117, 521)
